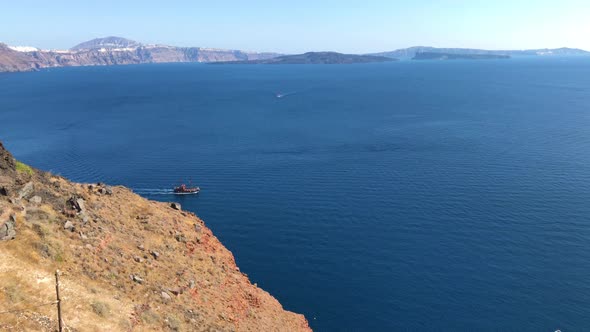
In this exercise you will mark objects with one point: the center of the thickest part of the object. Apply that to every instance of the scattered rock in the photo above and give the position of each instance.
(76, 203)
(191, 284)
(154, 254)
(137, 279)
(166, 297)
(198, 228)
(35, 200)
(83, 236)
(7, 229)
(141, 247)
(176, 291)
(81, 207)
(137, 259)
(4, 191)
(109, 190)
(89, 247)
(143, 219)
(180, 237)
(175, 206)
(26, 190)
(69, 226)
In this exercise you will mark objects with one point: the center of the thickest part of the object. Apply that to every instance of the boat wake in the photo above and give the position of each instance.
(283, 95)
(153, 191)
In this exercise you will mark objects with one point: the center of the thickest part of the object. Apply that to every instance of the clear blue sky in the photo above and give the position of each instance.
(301, 25)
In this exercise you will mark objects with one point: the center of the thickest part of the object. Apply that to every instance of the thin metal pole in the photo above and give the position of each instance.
(58, 301)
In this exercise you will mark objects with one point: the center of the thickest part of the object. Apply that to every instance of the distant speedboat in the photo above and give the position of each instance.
(184, 190)
(280, 95)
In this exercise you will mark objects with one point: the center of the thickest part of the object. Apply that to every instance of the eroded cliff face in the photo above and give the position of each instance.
(127, 263)
(12, 61)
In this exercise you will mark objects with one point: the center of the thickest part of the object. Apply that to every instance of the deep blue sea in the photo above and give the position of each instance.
(410, 196)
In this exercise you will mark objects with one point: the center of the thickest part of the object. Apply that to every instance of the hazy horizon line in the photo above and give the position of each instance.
(296, 52)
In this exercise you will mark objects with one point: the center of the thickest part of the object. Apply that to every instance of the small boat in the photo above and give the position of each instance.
(184, 190)
(280, 95)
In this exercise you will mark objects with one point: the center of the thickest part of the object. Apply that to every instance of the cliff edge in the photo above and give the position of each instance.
(126, 263)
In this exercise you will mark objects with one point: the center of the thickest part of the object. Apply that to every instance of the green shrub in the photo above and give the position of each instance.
(173, 323)
(149, 317)
(100, 308)
(23, 168)
(13, 293)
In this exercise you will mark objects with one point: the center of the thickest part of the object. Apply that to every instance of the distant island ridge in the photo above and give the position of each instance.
(122, 51)
(314, 58)
(457, 56)
(409, 53)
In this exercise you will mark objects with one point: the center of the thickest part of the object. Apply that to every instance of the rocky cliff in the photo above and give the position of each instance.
(127, 263)
(116, 51)
(11, 60)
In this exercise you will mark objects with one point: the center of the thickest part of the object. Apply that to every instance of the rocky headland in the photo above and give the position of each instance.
(127, 263)
(114, 51)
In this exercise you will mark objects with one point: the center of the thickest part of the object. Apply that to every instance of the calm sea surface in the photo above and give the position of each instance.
(413, 196)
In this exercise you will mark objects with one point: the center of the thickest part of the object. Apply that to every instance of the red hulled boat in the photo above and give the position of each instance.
(184, 190)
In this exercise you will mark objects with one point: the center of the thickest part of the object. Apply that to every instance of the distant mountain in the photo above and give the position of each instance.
(409, 53)
(115, 51)
(106, 43)
(451, 56)
(316, 58)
